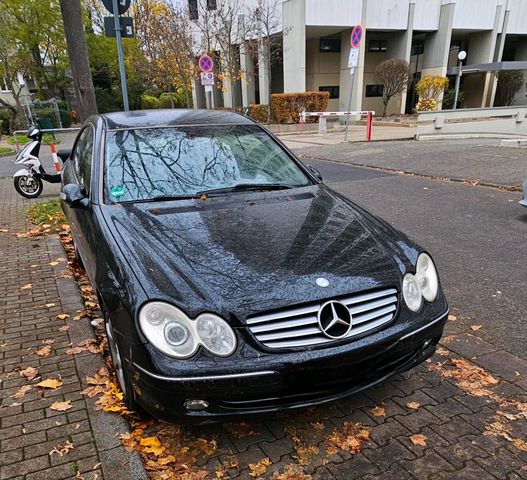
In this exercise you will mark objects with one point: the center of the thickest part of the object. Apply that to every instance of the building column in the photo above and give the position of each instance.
(500, 44)
(227, 93)
(294, 27)
(401, 47)
(437, 45)
(263, 75)
(247, 82)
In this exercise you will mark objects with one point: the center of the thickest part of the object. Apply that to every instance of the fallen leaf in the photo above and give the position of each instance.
(51, 383)
(64, 328)
(21, 391)
(26, 286)
(49, 341)
(452, 318)
(442, 351)
(378, 411)
(349, 438)
(259, 468)
(62, 449)
(520, 444)
(63, 316)
(53, 264)
(152, 445)
(49, 305)
(418, 439)
(30, 373)
(93, 390)
(44, 351)
(61, 406)
(4, 230)
(475, 328)
(413, 405)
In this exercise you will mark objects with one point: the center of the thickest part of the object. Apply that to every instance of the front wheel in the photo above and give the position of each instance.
(28, 186)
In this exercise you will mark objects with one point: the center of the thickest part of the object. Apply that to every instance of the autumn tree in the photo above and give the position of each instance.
(509, 84)
(393, 74)
(429, 88)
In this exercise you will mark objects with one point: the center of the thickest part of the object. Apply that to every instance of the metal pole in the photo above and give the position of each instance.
(120, 55)
(349, 107)
(458, 78)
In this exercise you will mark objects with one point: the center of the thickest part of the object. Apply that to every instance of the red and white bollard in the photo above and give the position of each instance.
(368, 126)
(55, 157)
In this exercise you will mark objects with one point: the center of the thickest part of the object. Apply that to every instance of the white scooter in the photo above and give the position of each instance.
(28, 180)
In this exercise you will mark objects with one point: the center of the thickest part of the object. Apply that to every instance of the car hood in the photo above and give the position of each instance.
(245, 253)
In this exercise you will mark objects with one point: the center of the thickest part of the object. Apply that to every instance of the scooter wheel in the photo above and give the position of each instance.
(29, 187)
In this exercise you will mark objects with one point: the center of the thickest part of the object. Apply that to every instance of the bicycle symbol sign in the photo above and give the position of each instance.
(356, 36)
(205, 63)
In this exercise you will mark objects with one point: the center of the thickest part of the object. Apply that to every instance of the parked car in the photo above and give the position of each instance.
(523, 201)
(231, 279)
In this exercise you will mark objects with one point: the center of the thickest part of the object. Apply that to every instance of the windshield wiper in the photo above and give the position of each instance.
(246, 187)
(161, 198)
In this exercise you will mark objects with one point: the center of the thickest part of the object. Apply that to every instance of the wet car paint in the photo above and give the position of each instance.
(235, 256)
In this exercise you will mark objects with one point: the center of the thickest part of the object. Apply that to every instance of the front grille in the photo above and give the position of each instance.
(298, 326)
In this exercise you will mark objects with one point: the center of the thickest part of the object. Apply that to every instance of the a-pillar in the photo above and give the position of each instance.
(437, 46)
(247, 82)
(294, 27)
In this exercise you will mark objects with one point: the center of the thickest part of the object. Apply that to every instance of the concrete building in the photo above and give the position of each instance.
(428, 34)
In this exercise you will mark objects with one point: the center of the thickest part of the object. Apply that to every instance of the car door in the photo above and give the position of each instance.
(81, 217)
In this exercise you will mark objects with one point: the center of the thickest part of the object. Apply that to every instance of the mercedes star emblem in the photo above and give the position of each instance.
(334, 319)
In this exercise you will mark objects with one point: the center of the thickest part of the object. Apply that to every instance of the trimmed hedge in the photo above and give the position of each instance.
(258, 112)
(286, 107)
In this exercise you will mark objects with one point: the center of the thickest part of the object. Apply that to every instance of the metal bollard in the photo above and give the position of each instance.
(368, 126)
(55, 157)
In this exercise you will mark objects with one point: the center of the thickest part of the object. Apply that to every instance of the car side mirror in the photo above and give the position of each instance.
(74, 195)
(64, 154)
(314, 172)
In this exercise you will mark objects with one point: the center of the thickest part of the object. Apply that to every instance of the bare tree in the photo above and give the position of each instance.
(393, 74)
(78, 55)
(265, 28)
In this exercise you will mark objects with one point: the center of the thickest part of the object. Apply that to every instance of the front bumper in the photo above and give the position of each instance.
(290, 385)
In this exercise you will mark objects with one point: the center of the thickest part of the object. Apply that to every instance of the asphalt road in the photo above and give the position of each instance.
(475, 234)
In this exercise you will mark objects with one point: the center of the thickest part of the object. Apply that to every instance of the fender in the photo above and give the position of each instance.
(22, 172)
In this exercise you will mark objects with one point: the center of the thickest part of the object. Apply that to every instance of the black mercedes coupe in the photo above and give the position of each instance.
(232, 280)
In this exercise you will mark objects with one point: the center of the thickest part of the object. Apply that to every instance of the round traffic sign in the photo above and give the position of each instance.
(122, 5)
(205, 63)
(356, 36)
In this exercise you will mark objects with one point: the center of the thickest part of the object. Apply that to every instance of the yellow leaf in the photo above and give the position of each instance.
(418, 439)
(63, 316)
(22, 391)
(378, 411)
(452, 318)
(166, 460)
(90, 304)
(26, 286)
(61, 406)
(475, 328)
(259, 468)
(64, 328)
(413, 405)
(44, 351)
(53, 263)
(62, 449)
(49, 305)
(52, 383)
(152, 445)
(520, 444)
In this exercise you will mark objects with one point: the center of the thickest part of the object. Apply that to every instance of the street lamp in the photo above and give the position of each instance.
(461, 56)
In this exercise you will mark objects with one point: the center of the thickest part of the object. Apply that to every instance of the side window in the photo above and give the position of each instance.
(82, 157)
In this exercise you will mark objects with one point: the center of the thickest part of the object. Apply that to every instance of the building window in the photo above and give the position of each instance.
(330, 45)
(377, 45)
(418, 47)
(374, 90)
(334, 92)
(193, 9)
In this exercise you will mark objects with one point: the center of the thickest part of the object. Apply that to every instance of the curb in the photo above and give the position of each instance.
(116, 462)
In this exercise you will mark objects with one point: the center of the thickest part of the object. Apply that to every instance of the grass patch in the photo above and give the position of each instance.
(22, 139)
(47, 215)
(5, 150)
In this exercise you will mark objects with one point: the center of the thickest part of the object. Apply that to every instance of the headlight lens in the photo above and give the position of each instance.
(424, 284)
(427, 276)
(215, 334)
(412, 292)
(176, 335)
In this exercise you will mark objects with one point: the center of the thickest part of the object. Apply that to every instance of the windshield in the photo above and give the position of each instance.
(142, 164)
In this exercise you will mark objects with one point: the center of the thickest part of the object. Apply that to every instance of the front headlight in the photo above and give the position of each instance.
(424, 284)
(172, 332)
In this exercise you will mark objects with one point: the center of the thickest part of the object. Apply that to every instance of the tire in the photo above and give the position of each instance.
(120, 372)
(33, 190)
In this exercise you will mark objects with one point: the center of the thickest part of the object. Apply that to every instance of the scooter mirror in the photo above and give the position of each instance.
(34, 133)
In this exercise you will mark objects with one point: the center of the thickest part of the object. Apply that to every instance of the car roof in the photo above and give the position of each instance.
(171, 117)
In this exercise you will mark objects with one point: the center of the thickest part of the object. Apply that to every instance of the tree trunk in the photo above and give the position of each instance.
(78, 55)
(385, 101)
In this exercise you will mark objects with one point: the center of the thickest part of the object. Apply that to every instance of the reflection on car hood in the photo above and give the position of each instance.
(245, 253)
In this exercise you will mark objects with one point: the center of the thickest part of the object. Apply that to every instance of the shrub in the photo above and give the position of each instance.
(429, 88)
(286, 107)
(65, 118)
(106, 101)
(149, 102)
(259, 112)
(5, 119)
(509, 84)
(448, 99)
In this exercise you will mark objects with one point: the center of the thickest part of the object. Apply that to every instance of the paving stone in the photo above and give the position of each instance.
(500, 464)
(461, 451)
(427, 465)
(392, 452)
(471, 471)
(382, 434)
(503, 364)
(448, 409)
(470, 346)
(358, 467)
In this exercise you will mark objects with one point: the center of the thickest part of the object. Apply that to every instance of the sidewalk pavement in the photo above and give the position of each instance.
(35, 288)
(357, 133)
(462, 415)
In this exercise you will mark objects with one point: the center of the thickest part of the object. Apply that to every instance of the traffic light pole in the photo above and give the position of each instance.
(120, 55)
